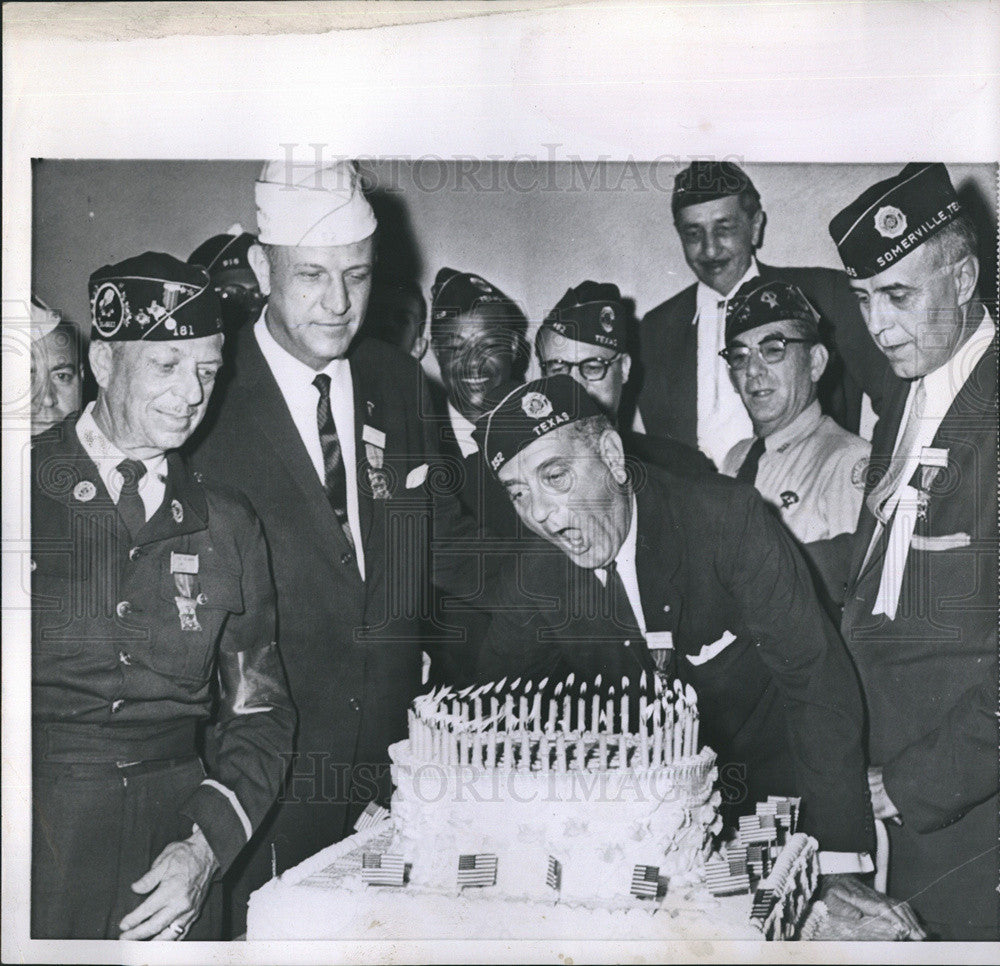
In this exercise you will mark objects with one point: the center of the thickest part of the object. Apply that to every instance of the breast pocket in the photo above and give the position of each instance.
(60, 606)
(188, 638)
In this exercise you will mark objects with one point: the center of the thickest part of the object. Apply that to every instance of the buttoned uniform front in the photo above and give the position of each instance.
(119, 685)
(929, 674)
(813, 473)
(776, 692)
(351, 645)
(668, 338)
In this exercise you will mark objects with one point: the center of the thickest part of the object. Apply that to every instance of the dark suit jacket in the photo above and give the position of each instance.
(930, 676)
(668, 352)
(781, 699)
(351, 647)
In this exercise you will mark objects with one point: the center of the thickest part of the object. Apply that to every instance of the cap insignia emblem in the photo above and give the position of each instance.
(890, 222)
(607, 318)
(769, 298)
(536, 405)
(109, 309)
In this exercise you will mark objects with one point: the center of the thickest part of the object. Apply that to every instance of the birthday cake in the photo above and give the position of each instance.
(536, 812)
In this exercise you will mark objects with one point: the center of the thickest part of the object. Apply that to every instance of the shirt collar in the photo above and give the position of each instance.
(708, 299)
(290, 373)
(625, 559)
(800, 427)
(106, 455)
(943, 384)
(462, 428)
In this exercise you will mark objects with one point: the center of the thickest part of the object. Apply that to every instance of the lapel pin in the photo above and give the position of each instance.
(84, 491)
(176, 511)
(371, 406)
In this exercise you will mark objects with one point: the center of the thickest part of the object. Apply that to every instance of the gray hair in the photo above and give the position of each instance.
(957, 240)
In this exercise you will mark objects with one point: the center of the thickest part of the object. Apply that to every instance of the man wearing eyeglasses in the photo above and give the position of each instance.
(685, 390)
(801, 461)
(585, 336)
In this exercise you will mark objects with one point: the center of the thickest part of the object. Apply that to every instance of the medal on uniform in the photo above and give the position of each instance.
(184, 569)
(378, 478)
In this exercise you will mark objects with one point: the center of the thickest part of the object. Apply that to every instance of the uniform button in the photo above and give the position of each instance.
(355, 704)
(346, 557)
(134, 553)
(627, 643)
(123, 609)
(201, 599)
(116, 705)
(124, 658)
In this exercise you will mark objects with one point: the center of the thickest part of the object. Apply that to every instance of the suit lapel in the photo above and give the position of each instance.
(267, 407)
(657, 557)
(367, 411)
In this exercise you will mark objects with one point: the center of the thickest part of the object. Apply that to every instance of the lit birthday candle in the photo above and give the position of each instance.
(624, 723)
(567, 705)
(657, 734)
(644, 713)
(554, 707)
(560, 751)
(581, 708)
(595, 713)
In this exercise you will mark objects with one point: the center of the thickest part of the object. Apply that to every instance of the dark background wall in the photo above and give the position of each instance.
(531, 228)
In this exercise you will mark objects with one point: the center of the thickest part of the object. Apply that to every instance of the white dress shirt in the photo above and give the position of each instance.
(462, 428)
(722, 419)
(107, 456)
(941, 387)
(294, 379)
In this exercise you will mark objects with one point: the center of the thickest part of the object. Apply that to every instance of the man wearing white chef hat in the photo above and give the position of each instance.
(324, 433)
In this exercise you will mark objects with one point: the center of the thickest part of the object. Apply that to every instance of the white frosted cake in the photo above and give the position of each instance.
(522, 812)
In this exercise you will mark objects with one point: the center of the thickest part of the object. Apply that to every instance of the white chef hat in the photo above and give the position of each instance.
(307, 205)
(43, 319)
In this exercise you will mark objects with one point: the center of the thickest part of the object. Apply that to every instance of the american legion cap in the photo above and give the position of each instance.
(153, 297)
(893, 217)
(703, 181)
(457, 293)
(224, 253)
(592, 312)
(520, 413)
(763, 303)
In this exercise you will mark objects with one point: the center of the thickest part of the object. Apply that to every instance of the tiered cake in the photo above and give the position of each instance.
(529, 811)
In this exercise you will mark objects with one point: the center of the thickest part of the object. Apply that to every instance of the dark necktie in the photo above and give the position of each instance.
(333, 459)
(130, 506)
(747, 473)
(625, 617)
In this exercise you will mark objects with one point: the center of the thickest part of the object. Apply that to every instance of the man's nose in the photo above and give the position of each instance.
(710, 246)
(189, 388)
(877, 318)
(335, 297)
(541, 506)
(756, 366)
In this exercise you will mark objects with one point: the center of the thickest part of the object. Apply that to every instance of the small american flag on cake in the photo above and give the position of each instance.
(726, 873)
(382, 869)
(553, 877)
(372, 815)
(645, 881)
(477, 870)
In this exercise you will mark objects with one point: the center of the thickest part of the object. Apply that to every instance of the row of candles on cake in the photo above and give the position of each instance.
(517, 724)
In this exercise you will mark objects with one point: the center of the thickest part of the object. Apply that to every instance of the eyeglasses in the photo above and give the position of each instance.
(771, 350)
(592, 369)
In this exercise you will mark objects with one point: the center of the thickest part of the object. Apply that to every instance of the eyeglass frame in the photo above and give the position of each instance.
(784, 340)
(570, 366)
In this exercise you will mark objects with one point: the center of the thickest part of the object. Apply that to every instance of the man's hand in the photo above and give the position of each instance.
(177, 883)
(854, 911)
(881, 802)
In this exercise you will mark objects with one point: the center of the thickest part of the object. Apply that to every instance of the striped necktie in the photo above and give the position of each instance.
(335, 475)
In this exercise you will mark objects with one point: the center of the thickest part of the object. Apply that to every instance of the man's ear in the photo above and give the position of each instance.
(757, 228)
(101, 357)
(613, 454)
(818, 359)
(626, 367)
(261, 267)
(966, 275)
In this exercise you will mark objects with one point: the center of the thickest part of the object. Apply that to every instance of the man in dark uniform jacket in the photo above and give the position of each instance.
(585, 336)
(478, 337)
(150, 588)
(921, 613)
(331, 443)
(685, 390)
(709, 565)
